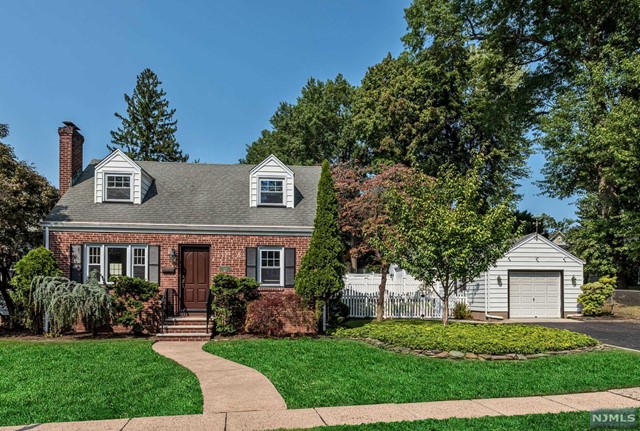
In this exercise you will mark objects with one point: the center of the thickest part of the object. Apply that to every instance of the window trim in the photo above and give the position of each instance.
(105, 186)
(259, 265)
(103, 259)
(284, 189)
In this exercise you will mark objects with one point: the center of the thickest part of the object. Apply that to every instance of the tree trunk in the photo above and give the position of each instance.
(354, 264)
(445, 310)
(4, 290)
(384, 268)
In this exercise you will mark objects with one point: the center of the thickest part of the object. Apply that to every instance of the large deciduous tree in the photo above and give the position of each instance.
(440, 237)
(148, 129)
(580, 67)
(25, 199)
(320, 277)
(315, 128)
(363, 214)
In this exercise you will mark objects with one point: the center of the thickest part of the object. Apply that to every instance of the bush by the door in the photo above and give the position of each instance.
(595, 295)
(229, 298)
(136, 304)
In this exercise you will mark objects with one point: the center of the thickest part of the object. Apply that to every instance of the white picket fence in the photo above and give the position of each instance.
(404, 297)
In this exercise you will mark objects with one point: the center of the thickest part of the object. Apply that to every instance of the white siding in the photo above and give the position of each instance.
(271, 167)
(535, 254)
(475, 293)
(118, 163)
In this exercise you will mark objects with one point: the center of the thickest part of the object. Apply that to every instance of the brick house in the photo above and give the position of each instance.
(178, 224)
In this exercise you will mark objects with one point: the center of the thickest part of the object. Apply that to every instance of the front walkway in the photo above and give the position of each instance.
(226, 386)
(354, 415)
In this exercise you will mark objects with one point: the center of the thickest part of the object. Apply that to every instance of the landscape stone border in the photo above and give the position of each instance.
(454, 354)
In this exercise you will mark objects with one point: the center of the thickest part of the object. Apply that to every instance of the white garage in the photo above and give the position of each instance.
(535, 279)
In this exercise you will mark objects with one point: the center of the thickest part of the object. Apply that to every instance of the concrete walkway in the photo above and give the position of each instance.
(355, 415)
(226, 386)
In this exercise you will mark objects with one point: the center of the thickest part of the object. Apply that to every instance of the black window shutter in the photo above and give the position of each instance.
(76, 263)
(289, 266)
(154, 264)
(252, 262)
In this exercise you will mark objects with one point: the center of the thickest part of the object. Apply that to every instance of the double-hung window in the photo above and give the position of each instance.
(115, 260)
(271, 266)
(271, 191)
(118, 187)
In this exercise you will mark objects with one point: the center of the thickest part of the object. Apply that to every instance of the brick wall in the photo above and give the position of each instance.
(225, 250)
(70, 154)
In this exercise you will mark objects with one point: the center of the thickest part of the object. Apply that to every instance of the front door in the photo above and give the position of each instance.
(195, 277)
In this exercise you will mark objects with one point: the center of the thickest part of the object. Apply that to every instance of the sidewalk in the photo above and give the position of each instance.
(354, 415)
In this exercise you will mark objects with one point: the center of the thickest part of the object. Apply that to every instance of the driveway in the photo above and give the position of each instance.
(617, 333)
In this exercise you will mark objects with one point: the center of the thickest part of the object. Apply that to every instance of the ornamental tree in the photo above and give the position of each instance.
(363, 215)
(320, 276)
(439, 235)
(26, 198)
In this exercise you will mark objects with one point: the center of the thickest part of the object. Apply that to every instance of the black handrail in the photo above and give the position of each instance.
(169, 304)
(209, 310)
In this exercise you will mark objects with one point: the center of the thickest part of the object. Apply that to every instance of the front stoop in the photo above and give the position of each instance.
(188, 328)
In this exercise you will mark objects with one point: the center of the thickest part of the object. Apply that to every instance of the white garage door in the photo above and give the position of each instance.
(534, 294)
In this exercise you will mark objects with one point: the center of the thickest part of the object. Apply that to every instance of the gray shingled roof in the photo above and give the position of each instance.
(191, 193)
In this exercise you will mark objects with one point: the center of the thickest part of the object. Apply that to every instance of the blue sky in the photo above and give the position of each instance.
(224, 65)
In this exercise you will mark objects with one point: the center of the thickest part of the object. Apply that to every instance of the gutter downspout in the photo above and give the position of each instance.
(487, 316)
(46, 237)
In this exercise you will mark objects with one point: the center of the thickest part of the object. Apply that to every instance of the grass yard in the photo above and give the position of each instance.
(547, 422)
(315, 372)
(54, 381)
(478, 338)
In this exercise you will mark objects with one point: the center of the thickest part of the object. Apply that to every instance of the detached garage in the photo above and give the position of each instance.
(535, 279)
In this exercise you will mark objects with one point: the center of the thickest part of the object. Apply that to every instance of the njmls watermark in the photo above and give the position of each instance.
(613, 418)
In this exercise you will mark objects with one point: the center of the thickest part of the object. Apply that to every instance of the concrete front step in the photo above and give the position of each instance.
(184, 336)
(188, 320)
(179, 329)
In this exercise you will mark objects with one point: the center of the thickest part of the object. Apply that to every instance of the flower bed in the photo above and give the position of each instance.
(434, 339)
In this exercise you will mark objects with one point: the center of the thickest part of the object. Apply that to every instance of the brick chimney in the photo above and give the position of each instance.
(70, 154)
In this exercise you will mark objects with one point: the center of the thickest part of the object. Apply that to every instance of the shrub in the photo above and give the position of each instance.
(136, 304)
(594, 295)
(479, 338)
(38, 262)
(276, 314)
(320, 276)
(66, 302)
(230, 296)
(338, 313)
(461, 312)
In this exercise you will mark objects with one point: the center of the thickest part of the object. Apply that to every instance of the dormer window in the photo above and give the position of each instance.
(118, 188)
(271, 191)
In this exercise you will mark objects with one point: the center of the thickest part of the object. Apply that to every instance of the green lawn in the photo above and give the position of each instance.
(331, 372)
(497, 339)
(54, 381)
(548, 422)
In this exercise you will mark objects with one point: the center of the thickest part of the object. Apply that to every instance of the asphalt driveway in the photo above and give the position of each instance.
(617, 333)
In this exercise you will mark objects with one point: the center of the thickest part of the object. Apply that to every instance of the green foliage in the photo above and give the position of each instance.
(82, 380)
(136, 304)
(338, 313)
(594, 295)
(495, 339)
(148, 130)
(321, 271)
(440, 235)
(230, 297)
(66, 302)
(461, 312)
(315, 128)
(39, 262)
(26, 198)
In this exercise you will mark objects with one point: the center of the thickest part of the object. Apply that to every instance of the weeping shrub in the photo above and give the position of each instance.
(66, 302)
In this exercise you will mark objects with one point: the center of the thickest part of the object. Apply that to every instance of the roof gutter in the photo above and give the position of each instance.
(178, 228)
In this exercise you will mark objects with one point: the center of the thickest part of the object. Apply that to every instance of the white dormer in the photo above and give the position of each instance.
(120, 179)
(271, 183)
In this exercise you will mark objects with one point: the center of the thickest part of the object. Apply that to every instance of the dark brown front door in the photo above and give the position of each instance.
(195, 277)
